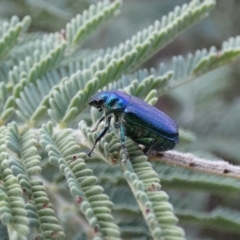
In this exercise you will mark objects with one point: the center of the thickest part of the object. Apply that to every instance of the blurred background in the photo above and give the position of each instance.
(209, 107)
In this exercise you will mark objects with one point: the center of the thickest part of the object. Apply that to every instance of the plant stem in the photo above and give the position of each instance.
(189, 161)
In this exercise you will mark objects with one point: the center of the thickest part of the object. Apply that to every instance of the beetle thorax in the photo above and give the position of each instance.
(114, 104)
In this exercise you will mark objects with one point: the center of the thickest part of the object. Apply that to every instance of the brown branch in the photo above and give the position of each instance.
(189, 161)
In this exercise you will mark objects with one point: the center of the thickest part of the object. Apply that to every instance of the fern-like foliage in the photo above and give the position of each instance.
(202, 62)
(46, 177)
(144, 183)
(66, 154)
(80, 26)
(23, 164)
(124, 58)
(13, 213)
(220, 218)
(10, 31)
(172, 178)
(155, 199)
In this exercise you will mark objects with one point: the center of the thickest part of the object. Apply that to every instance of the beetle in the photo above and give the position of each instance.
(136, 119)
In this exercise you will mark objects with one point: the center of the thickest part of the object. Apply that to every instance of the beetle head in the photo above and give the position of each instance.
(111, 102)
(98, 100)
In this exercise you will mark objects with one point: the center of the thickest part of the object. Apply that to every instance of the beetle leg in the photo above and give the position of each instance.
(117, 124)
(101, 134)
(98, 122)
(122, 137)
(148, 147)
(147, 142)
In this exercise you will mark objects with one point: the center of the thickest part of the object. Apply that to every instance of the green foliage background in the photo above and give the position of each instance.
(51, 62)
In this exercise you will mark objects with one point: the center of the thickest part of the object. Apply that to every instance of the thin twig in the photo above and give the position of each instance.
(189, 161)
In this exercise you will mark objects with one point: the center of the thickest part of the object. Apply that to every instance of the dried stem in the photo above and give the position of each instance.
(189, 161)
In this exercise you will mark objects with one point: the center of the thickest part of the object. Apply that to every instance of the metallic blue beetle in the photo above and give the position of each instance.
(138, 120)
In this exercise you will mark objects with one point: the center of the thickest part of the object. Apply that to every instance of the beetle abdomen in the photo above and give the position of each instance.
(142, 136)
(141, 115)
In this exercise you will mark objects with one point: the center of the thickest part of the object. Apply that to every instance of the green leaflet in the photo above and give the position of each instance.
(26, 163)
(144, 183)
(221, 218)
(172, 178)
(80, 26)
(93, 203)
(10, 31)
(128, 56)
